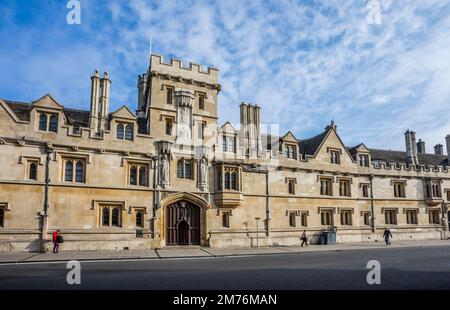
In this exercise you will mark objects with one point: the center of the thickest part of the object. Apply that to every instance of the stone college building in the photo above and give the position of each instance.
(169, 175)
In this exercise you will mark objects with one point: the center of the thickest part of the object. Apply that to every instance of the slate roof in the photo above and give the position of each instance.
(21, 109)
(399, 157)
(310, 146)
(77, 117)
(74, 116)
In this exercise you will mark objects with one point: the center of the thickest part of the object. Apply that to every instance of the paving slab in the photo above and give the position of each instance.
(245, 251)
(15, 257)
(93, 255)
(180, 252)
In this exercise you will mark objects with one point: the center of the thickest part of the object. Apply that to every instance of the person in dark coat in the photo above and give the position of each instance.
(387, 235)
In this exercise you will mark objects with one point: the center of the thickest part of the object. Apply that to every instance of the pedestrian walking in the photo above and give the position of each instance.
(57, 239)
(304, 239)
(387, 235)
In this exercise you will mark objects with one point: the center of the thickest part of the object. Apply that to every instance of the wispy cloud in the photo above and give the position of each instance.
(304, 63)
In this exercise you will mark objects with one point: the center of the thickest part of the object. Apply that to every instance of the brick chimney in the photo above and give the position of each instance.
(421, 147)
(439, 149)
(411, 151)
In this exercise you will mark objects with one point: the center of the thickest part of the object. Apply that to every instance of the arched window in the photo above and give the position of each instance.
(142, 176)
(180, 168)
(79, 172)
(43, 122)
(133, 175)
(120, 132)
(234, 181)
(68, 171)
(187, 169)
(227, 180)
(105, 216)
(129, 132)
(32, 173)
(115, 217)
(139, 219)
(53, 123)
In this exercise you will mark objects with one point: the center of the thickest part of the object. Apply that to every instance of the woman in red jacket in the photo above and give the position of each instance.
(55, 241)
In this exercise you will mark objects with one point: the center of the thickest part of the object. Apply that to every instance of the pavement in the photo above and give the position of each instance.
(398, 267)
(198, 252)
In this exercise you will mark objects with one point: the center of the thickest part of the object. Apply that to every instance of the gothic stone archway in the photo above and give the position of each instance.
(182, 223)
(183, 212)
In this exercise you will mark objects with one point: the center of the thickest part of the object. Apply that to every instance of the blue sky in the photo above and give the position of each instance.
(303, 62)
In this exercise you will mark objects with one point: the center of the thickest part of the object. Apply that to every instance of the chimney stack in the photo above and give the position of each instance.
(105, 87)
(439, 149)
(447, 141)
(95, 99)
(250, 129)
(411, 151)
(421, 147)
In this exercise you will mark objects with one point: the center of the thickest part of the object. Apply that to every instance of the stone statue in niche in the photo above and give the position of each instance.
(164, 170)
(203, 171)
(184, 125)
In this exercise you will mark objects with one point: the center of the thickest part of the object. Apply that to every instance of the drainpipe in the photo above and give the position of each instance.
(372, 207)
(266, 172)
(155, 167)
(44, 214)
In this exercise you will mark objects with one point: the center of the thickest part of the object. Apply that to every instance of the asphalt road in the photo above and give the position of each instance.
(406, 268)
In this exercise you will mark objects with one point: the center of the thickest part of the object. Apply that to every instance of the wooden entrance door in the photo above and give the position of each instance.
(182, 224)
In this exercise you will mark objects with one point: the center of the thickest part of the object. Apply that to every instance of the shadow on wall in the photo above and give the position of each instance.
(34, 246)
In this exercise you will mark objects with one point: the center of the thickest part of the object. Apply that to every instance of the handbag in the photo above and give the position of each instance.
(59, 239)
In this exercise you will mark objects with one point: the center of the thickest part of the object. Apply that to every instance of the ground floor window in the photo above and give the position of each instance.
(2, 217)
(111, 216)
(226, 219)
(366, 218)
(433, 216)
(390, 217)
(292, 219)
(346, 217)
(140, 219)
(304, 219)
(411, 217)
(326, 217)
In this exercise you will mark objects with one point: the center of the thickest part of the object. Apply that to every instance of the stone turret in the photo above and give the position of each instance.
(447, 141)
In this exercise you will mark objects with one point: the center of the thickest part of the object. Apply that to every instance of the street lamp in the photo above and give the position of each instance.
(257, 231)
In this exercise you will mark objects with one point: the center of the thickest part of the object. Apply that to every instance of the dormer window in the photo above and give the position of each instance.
(48, 122)
(125, 131)
(228, 144)
(290, 151)
(364, 160)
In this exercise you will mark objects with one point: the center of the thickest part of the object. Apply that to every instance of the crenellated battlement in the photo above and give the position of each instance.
(176, 68)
